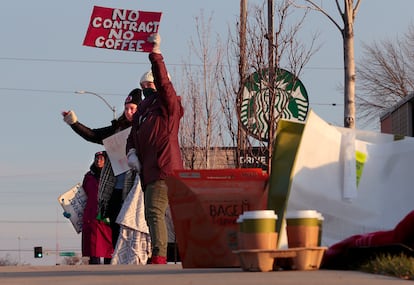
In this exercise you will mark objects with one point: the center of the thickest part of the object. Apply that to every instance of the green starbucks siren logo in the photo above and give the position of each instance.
(291, 101)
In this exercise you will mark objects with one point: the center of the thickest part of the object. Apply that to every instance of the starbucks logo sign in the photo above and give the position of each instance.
(291, 101)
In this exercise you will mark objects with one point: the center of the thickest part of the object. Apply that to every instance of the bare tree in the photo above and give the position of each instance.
(205, 98)
(276, 89)
(347, 14)
(386, 75)
(8, 261)
(210, 87)
(72, 260)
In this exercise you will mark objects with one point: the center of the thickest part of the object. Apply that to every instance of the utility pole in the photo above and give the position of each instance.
(57, 238)
(241, 135)
(271, 82)
(20, 257)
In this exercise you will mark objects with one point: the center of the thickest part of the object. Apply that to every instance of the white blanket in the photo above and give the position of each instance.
(134, 242)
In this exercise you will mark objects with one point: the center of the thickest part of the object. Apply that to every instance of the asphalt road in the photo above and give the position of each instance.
(174, 274)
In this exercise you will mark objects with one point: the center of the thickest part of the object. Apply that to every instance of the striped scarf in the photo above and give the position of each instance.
(107, 185)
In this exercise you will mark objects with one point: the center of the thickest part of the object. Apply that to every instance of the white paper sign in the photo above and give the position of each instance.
(115, 147)
(73, 202)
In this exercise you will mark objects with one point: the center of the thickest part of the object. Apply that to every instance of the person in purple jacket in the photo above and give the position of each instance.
(153, 141)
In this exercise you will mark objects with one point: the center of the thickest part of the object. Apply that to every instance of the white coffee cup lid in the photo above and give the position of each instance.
(303, 214)
(320, 217)
(240, 219)
(259, 214)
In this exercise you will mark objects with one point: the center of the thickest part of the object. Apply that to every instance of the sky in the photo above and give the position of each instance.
(43, 63)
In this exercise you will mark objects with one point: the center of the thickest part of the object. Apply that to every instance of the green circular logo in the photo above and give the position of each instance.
(291, 101)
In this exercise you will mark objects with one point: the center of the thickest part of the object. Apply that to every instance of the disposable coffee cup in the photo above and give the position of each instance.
(258, 230)
(302, 228)
(239, 222)
(320, 225)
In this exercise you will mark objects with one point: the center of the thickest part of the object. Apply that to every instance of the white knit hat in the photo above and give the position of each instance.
(147, 77)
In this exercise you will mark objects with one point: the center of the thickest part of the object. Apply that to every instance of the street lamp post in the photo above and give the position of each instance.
(19, 238)
(100, 97)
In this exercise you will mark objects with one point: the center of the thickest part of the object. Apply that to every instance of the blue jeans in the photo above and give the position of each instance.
(156, 203)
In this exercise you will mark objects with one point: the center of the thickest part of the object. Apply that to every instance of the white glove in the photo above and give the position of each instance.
(133, 161)
(155, 39)
(69, 117)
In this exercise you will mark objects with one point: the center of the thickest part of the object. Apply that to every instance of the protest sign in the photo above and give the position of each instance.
(121, 29)
(73, 203)
(115, 147)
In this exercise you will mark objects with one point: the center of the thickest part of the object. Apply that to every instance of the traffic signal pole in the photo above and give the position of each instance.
(38, 252)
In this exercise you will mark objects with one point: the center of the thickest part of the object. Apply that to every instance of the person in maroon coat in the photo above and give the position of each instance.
(153, 143)
(96, 235)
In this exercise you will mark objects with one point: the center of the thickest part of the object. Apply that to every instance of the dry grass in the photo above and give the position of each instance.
(400, 266)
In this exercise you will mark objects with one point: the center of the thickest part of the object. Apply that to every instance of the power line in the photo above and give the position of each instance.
(50, 91)
(28, 59)
(69, 60)
(328, 104)
(107, 94)
(47, 251)
(32, 222)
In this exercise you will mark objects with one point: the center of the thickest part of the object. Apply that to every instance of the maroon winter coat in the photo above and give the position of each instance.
(403, 233)
(96, 235)
(154, 132)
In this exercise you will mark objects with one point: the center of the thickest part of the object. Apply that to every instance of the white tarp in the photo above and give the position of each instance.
(324, 178)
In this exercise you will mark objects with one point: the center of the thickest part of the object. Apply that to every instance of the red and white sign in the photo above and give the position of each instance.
(121, 29)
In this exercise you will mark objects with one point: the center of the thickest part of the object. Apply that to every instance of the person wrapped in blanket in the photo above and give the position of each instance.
(337, 255)
(134, 241)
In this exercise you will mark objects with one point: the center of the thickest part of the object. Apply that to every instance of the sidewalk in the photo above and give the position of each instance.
(174, 274)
